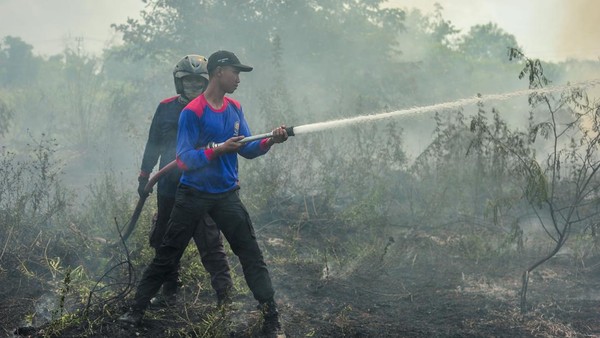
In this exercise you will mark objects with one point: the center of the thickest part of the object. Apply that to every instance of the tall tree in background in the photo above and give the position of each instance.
(325, 41)
(487, 42)
(18, 65)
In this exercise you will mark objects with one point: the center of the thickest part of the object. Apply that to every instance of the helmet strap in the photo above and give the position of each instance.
(183, 99)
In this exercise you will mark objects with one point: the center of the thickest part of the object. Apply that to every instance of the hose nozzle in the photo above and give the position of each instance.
(290, 131)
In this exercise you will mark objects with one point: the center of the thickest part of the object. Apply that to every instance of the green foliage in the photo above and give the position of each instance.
(536, 190)
(174, 25)
(106, 203)
(6, 113)
(44, 236)
(355, 177)
(215, 324)
(18, 65)
(474, 246)
(57, 326)
(30, 191)
(464, 170)
(194, 275)
(485, 42)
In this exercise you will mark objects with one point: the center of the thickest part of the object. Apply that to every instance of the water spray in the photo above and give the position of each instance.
(321, 126)
(333, 124)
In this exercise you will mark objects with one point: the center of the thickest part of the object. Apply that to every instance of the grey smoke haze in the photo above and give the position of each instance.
(537, 25)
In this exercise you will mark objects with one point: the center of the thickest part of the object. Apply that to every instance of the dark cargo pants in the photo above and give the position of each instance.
(228, 211)
(208, 241)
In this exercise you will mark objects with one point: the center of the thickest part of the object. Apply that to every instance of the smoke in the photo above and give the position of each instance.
(578, 37)
(43, 309)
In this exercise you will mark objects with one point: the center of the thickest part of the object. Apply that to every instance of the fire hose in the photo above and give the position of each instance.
(170, 166)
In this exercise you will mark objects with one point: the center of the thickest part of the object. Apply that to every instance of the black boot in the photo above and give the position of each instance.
(224, 297)
(132, 317)
(168, 297)
(271, 326)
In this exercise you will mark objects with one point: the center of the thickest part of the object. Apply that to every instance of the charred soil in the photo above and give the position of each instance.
(329, 283)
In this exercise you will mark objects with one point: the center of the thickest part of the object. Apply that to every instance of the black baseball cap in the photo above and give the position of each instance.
(225, 58)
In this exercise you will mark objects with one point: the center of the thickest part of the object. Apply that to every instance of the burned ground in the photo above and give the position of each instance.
(361, 283)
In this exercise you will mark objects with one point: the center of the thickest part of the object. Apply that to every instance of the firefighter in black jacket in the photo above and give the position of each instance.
(191, 78)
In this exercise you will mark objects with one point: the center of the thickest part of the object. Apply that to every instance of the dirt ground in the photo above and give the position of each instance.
(410, 284)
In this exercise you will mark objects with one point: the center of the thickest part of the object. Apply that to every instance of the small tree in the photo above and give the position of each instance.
(561, 184)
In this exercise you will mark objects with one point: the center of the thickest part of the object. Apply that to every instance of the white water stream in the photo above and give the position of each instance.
(320, 126)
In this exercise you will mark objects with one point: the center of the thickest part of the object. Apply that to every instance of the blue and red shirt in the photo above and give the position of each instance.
(200, 124)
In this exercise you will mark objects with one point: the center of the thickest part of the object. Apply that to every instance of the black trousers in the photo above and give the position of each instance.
(232, 218)
(208, 240)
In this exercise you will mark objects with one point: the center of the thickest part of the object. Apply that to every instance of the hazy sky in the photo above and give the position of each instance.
(49, 24)
(548, 29)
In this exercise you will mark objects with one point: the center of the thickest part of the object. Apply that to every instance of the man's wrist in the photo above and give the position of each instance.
(217, 151)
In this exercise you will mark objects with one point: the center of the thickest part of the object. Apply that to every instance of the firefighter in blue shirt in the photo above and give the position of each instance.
(191, 79)
(209, 184)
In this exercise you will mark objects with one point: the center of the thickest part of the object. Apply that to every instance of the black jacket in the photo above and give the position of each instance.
(162, 141)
